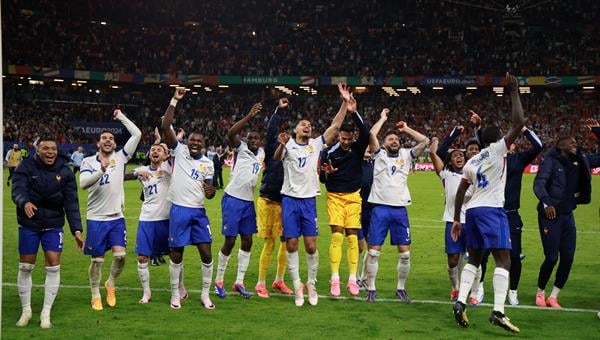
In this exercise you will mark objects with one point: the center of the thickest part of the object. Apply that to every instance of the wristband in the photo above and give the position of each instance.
(173, 102)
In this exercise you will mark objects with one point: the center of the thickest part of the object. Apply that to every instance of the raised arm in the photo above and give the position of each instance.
(536, 146)
(442, 150)
(363, 131)
(373, 141)
(280, 152)
(421, 139)
(136, 133)
(438, 164)
(518, 118)
(332, 130)
(167, 120)
(233, 135)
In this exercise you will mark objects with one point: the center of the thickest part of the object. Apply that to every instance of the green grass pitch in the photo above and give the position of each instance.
(429, 316)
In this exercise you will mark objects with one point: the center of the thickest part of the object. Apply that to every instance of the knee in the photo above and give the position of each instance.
(291, 245)
(176, 255)
(246, 242)
(26, 267)
(119, 256)
(453, 260)
(373, 255)
(142, 259)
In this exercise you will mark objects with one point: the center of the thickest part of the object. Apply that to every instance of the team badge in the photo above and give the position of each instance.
(202, 168)
(309, 148)
(58, 178)
(158, 173)
(400, 162)
(112, 162)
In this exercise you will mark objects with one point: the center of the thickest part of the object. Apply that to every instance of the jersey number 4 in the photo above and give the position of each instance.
(482, 180)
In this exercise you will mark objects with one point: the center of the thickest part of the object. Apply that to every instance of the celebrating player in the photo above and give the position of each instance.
(486, 225)
(237, 205)
(342, 169)
(44, 189)
(269, 209)
(300, 156)
(188, 223)
(102, 175)
(153, 227)
(390, 197)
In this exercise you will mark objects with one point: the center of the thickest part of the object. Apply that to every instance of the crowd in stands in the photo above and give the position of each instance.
(308, 37)
(31, 110)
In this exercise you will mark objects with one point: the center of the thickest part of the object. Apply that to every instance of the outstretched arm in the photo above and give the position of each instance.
(536, 146)
(332, 130)
(233, 135)
(373, 141)
(442, 150)
(167, 121)
(438, 164)
(421, 139)
(518, 118)
(136, 133)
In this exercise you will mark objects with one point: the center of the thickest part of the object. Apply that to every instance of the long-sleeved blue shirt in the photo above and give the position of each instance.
(272, 177)
(348, 176)
(515, 165)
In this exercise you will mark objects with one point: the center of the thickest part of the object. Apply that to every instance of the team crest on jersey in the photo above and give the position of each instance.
(400, 161)
(112, 162)
(159, 173)
(58, 178)
(309, 148)
(202, 168)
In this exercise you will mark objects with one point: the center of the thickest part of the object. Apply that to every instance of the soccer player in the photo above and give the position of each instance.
(13, 159)
(300, 156)
(237, 204)
(188, 223)
(102, 175)
(390, 197)
(342, 165)
(486, 225)
(269, 209)
(44, 189)
(153, 227)
(77, 157)
(563, 181)
(516, 162)
(442, 152)
(450, 172)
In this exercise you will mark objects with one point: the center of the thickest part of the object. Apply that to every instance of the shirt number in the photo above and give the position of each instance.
(482, 181)
(195, 174)
(152, 189)
(301, 162)
(255, 168)
(104, 179)
(394, 169)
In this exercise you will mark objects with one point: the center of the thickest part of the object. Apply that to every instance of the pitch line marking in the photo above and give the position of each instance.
(427, 302)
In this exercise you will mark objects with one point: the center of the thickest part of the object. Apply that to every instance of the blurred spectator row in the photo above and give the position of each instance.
(305, 37)
(33, 110)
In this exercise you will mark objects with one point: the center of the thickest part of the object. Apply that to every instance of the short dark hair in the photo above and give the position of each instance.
(106, 131)
(490, 134)
(347, 127)
(471, 142)
(562, 137)
(47, 138)
(391, 132)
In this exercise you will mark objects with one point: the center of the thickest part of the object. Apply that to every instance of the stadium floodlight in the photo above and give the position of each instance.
(58, 80)
(103, 23)
(207, 89)
(524, 89)
(195, 92)
(115, 87)
(174, 85)
(471, 87)
(197, 85)
(82, 81)
(223, 86)
(498, 89)
(498, 94)
(589, 87)
(360, 88)
(437, 88)
(401, 90)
